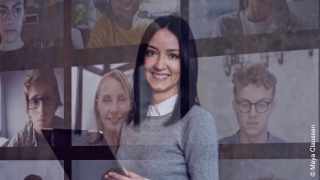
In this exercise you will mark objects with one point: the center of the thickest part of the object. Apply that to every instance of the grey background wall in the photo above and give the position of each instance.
(15, 112)
(296, 97)
(90, 82)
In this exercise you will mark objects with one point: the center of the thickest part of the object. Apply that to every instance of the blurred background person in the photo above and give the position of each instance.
(255, 17)
(112, 105)
(254, 89)
(116, 26)
(113, 101)
(84, 17)
(12, 15)
(42, 101)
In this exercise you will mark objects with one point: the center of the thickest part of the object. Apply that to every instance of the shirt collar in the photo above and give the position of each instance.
(163, 108)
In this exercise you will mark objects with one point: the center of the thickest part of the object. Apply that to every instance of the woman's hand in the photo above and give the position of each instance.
(129, 176)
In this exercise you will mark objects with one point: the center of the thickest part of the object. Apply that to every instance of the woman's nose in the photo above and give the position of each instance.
(161, 62)
(114, 107)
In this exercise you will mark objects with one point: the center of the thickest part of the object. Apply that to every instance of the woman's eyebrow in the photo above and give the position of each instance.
(173, 50)
(153, 47)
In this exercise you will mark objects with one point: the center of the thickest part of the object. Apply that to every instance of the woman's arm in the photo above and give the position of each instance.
(200, 145)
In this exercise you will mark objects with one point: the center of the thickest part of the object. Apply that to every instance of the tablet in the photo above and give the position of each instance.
(98, 164)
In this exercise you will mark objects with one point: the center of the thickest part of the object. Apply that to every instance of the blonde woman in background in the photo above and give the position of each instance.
(111, 106)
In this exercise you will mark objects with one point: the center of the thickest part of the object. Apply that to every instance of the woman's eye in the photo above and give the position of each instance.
(174, 56)
(122, 99)
(106, 99)
(35, 101)
(150, 53)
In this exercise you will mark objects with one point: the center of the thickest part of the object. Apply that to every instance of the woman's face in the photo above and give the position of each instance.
(162, 64)
(113, 103)
(42, 105)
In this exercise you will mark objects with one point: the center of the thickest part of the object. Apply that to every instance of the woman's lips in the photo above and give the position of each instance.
(160, 76)
(113, 119)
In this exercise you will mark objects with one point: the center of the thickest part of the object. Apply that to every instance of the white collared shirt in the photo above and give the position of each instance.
(163, 108)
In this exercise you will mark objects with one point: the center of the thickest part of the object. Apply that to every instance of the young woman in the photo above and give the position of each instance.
(170, 136)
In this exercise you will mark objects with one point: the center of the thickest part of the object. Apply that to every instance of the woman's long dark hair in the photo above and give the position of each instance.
(188, 95)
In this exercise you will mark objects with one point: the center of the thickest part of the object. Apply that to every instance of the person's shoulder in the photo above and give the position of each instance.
(199, 127)
(197, 110)
(275, 139)
(87, 138)
(227, 24)
(24, 137)
(141, 23)
(229, 15)
(233, 139)
(26, 48)
(199, 115)
(59, 122)
(227, 18)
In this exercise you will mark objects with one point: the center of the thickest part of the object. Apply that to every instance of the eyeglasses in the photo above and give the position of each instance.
(34, 103)
(15, 12)
(260, 106)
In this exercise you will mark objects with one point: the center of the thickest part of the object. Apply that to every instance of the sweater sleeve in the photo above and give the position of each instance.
(200, 145)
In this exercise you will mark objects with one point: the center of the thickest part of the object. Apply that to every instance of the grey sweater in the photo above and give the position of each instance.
(185, 150)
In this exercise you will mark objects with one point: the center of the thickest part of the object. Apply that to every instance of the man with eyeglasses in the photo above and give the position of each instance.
(42, 101)
(12, 14)
(254, 91)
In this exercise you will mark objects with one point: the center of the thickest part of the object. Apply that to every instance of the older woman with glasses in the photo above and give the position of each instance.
(42, 101)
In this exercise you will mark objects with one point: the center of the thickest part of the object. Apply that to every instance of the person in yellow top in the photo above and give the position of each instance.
(117, 27)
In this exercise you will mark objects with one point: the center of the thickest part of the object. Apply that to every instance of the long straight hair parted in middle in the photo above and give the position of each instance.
(187, 95)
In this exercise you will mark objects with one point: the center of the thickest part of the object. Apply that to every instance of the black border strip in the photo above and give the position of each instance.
(226, 151)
